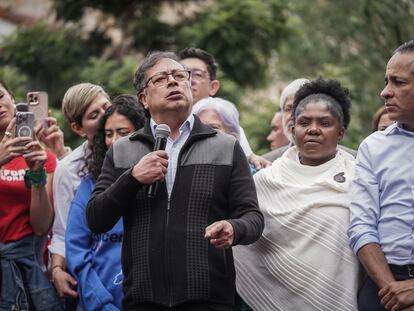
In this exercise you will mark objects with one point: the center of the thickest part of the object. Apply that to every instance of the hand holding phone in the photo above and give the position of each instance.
(12, 146)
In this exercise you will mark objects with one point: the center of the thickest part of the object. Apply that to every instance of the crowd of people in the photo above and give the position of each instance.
(310, 225)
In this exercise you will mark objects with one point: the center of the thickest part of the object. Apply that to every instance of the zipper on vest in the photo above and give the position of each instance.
(169, 195)
(167, 254)
(190, 139)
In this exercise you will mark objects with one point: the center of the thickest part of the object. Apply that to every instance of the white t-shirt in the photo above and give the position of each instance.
(65, 183)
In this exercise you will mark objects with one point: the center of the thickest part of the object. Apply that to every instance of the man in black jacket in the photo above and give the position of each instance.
(176, 251)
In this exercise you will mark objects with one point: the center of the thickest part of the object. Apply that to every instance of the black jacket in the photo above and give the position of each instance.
(165, 258)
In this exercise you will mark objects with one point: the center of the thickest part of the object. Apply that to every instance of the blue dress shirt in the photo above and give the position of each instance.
(382, 195)
(173, 149)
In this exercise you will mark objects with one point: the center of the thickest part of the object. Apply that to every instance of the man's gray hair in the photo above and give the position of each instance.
(290, 91)
(406, 47)
(140, 77)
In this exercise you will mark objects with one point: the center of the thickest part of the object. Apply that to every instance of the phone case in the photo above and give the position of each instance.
(24, 125)
(38, 104)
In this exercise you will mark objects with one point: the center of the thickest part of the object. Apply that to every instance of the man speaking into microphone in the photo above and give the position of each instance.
(162, 132)
(176, 252)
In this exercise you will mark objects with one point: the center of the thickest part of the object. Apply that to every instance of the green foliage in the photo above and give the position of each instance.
(73, 10)
(255, 116)
(240, 34)
(229, 89)
(15, 80)
(348, 40)
(256, 43)
(139, 20)
(115, 76)
(51, 58)
(161, 38)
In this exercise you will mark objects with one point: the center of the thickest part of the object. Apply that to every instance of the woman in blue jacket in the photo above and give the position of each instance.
(95, 259)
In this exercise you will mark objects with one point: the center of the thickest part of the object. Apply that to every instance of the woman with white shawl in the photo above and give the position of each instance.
(303, 261)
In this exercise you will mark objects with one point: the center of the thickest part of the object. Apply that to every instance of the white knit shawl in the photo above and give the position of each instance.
(302, 261)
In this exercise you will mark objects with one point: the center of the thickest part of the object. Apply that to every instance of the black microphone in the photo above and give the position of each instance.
(161, 134)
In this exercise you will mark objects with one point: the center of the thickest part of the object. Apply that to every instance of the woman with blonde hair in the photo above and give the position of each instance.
(95, 259)
(83, 105)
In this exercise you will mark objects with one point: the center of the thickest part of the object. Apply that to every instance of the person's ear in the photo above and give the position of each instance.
(78, 129)
(214, 87)
(142, 98)
(341, 134)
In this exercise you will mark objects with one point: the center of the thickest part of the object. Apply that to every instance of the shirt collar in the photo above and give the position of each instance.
(397, 128)
(186, 126)
(81, 152)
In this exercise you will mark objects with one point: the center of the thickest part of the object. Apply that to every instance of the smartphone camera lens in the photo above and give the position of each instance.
(25, 131)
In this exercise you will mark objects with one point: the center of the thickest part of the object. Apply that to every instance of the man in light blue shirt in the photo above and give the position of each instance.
(173, 149)
(381, 230)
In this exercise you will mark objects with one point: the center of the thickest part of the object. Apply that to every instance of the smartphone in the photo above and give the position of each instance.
(38, 104)
(22, 107)
(24, 125)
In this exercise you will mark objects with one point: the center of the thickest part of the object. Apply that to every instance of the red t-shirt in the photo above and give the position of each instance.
(15, 198)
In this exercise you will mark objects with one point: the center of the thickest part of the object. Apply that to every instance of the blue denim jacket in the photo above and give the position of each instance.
(22, 279)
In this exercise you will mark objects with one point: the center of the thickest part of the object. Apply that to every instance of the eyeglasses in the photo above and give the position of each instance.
(161, 79)
(198, 74)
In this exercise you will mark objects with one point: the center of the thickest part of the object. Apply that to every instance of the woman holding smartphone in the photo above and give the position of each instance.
(25, 211)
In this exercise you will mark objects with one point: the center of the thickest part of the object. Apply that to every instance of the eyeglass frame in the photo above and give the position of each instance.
(168, 74)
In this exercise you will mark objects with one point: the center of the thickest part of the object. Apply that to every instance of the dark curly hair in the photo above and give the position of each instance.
(329, 91)
(126, 105)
